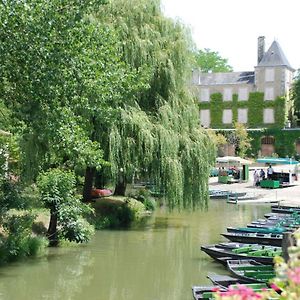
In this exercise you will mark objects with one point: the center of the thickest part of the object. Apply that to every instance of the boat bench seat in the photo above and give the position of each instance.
(256, 268)
(259, 274)
(242, 250)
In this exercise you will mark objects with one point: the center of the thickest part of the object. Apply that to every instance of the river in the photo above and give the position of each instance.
(160, 260)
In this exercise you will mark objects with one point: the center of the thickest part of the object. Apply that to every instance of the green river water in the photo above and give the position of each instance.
(159, 261)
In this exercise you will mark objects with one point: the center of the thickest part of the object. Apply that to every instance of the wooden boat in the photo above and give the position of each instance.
(219, 194)
(285, 209)
(274, 230)
(225, 281)
(271, 239)
(206, 292)
(261, 253)
(99, 193)
(281, 215)
(222, 283)
(244, 197)
(290, 227)
(250, 270)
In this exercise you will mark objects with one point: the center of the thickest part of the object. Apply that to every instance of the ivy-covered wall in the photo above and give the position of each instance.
(285, 141)
(255, 105)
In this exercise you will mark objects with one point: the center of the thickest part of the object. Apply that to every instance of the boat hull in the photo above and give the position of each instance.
(254, 238)
(219, 253)
(250, 270)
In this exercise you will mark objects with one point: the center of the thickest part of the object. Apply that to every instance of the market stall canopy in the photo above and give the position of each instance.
(233, 159)
(277, 161)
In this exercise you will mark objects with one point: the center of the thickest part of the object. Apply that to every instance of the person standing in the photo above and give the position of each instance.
(262, 174)
(270, 172)
(255, 178)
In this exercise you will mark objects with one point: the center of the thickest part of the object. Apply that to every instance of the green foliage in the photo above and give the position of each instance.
(57, 190)
(160, 133)
(118, 214)
(255, 105)
(150, 204)
(211, 61)
(90, 88)
(62, 78)
(17, 241)
(284, 141)
(295, 95)
(240, 139)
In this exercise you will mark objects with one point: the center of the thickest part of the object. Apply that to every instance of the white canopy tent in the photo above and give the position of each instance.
(233, 159)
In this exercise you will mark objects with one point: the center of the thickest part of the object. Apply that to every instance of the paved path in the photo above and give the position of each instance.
(286, 196)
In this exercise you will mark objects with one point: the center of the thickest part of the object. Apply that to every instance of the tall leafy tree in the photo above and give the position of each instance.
(296, 94)
(160, 133)
(211, 61)
(61, 76)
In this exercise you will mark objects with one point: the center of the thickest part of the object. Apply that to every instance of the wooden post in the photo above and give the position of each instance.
(288, 240)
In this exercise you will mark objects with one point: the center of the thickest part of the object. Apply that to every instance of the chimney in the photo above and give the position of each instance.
(260, 48)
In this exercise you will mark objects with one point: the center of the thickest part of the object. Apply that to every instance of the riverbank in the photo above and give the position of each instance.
(285, 196)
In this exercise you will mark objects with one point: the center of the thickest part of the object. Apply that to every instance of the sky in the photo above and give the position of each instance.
(231, 27)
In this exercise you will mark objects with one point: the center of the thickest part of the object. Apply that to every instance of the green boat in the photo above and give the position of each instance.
(251, 270)
(208, 293)
(275, 230)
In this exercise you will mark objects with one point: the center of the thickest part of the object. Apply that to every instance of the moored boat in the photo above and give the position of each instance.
(220, 194)
(275, 230)
(261, 253)
(250, 270)
(224, 281)
(254, 238)
(206, 292)
(285, 209)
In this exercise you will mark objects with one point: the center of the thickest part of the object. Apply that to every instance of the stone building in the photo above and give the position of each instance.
(259, 98)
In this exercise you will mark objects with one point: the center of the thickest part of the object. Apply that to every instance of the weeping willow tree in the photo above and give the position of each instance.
(160, 133)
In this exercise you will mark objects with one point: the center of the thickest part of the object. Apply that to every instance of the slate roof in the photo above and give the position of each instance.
(274, 57)
(227, 78)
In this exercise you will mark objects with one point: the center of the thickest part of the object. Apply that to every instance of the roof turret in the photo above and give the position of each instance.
(274, 57)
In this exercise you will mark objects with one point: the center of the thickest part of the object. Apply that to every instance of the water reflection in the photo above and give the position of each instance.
(162, 261)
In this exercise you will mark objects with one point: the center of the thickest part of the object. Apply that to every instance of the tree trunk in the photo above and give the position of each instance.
(88, 183)
(120, 188)
(52, 229)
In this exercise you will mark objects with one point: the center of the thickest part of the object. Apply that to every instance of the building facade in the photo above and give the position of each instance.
(258, 98)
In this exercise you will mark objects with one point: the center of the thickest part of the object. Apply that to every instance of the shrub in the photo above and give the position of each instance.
(57, 191)
(18, 241)
(118, 214)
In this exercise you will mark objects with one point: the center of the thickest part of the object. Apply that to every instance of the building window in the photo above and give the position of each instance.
(267, 146)
(269, 93)
(204, 95)
(227, 116)
(227, 95)
(205, 117)
(269, 116)
(269, 75)
(243, 94)
(242, 115)
(268, 140)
